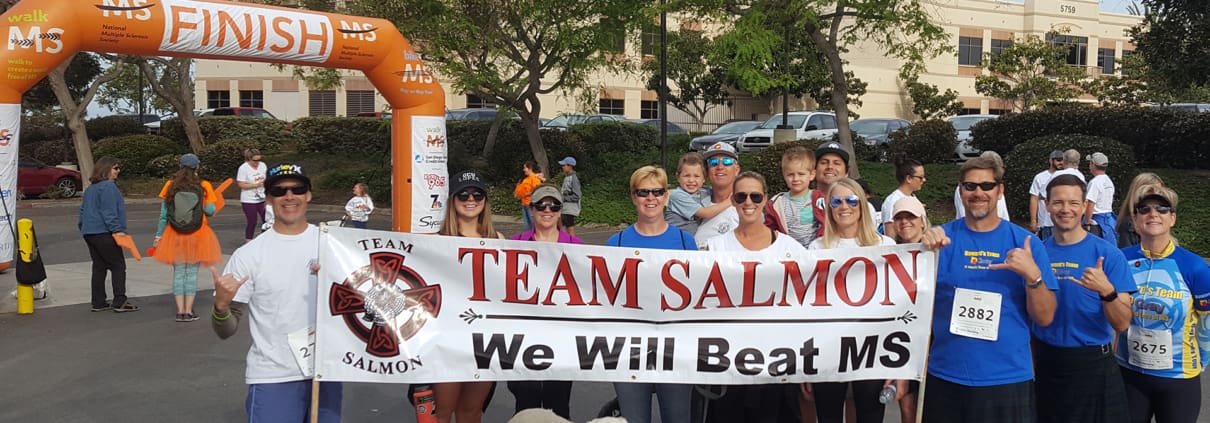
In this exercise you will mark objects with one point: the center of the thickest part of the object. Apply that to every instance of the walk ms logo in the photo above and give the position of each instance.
(6, 137)
(384, 303)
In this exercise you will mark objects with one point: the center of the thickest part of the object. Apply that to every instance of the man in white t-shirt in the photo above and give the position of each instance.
(1039, 218)
(910, 174)
(1099, 217)
(722, 166)
(273, 280)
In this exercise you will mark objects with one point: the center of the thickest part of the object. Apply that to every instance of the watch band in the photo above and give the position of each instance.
(1112, 295)
(1036, 283)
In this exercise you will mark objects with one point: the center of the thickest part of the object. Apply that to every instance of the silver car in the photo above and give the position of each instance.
(963, 124)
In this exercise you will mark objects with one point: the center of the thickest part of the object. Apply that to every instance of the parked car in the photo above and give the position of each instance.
(35, 178)
(236, 111)
(561, 122)
(481, 113)
(728, 133)
(673, 129)
(875, 132)
(807, 124)
(380, 115)
(963, 124)
(1189, 107)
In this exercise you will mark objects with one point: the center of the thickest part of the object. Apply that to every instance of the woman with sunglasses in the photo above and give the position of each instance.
(754, 403)
(545, 205)
(848, 224)
(469, 216)
(1125, 228)
(1164, 350)
(649, 193)
(103, 215)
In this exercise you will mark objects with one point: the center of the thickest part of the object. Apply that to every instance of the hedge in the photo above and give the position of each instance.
(927, 141)
(219, 128)
(136, 151)
(343, 135)
(42, 127)
(221, 160)
(1159, 137)
(113, 126)
(1029, 158)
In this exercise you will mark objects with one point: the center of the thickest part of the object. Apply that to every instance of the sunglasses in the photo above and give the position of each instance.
(1147, 208)
(117, 168)
(468, 194)
(547, 205)
(741, 197)
(850, 199)
(643, 192)
(279, 191)
(986, 186)
(726, 161)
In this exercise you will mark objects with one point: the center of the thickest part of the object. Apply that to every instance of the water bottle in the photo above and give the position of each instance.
(887, 395)
(426, 404)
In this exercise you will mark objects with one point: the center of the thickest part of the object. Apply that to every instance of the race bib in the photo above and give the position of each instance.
(1150, 349)
(302, 344)
(976, 314)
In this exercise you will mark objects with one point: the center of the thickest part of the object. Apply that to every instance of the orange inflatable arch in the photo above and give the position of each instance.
(42, 34)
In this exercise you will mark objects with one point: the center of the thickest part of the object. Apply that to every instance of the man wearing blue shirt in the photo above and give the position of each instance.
(1077, 376)
(990, 290)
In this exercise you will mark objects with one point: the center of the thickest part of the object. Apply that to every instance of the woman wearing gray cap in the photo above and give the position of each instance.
(183, 238)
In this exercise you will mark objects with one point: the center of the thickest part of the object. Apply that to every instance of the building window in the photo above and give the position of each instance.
(649, 109)
(359, 101)
(970, 51)
(649, 43)
(251, 98)
(613, 107)
(476, 102)
(216, 99)
(1105, 60)
(970, 111)
(322, 103)
(1077, 53)
(999, 46)
(998, 112)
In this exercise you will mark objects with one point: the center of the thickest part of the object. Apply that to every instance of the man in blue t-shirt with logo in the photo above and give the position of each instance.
(1077, 376)
(990, 290)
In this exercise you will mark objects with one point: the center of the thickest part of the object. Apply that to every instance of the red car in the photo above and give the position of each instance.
(35, 178)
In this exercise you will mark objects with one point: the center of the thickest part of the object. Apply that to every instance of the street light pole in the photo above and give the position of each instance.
(663, 85)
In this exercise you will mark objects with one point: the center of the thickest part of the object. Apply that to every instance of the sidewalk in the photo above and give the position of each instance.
(69, 283)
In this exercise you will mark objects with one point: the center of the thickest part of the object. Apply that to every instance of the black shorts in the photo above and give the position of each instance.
(1082, 384)
(567, 220)
(949, 402)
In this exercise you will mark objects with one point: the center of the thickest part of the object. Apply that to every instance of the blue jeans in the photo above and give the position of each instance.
(1045, 232)
(527, 218)
(359, 225)
(635, 401)
(291, 402)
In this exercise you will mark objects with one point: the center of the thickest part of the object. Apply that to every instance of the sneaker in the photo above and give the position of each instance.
(180, 317)
(105, 307)
(190, 317)
(126, 308)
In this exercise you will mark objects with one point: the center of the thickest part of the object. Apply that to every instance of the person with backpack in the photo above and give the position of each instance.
(183, 238)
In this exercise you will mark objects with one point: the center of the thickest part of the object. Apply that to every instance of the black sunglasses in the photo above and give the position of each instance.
(986, 186)
(850, 199)
(547, 205)
(279, 191)
(468, 194)
(1147, 208)
(726, 161)
(644, 192)
(741, 197)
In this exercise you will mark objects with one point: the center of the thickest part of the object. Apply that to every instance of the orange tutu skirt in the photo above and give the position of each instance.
(199, 247)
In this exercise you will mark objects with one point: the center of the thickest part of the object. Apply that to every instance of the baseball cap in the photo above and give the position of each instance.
(544, 191)
(285, 171)
(467, 179)
(908, 204)
(1099, 159)
(833, 148)
(1162, 194)
(569, 160)
(1056, 155)
(720, 148)
(190, 160)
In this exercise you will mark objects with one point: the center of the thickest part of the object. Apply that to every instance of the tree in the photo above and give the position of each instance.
(74, 108)
(172, 80)
(125, 92)
(929, 102)
(509, 52)
(1030, 73)
(1174, 39)
(764, 55)
(82, 70)
(902, 29)
(700, 85)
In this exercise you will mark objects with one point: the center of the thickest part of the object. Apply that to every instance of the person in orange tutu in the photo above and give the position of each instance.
(184, 249)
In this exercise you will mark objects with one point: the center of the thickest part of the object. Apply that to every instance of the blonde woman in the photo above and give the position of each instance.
(848, 224)
(1125, 229)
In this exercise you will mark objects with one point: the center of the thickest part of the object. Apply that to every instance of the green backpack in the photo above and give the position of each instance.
(185, 213)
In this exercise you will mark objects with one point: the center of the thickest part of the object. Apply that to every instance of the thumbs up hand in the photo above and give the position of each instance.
(1021, 261)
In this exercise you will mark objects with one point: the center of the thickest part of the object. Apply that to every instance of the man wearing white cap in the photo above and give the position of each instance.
(722, 166)
(571, 194)
(1099, 217)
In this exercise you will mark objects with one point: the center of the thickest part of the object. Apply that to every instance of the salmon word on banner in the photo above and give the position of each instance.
(400, 308)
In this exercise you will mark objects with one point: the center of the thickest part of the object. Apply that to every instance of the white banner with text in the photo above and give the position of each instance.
(401, 308)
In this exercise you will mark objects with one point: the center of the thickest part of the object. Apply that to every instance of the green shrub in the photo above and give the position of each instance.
(767, 162)
(1159, 137)
(42, 127)
(113, 126)
(927, 141)
(1029, 158)
(135, 151)
(341, 181)
(164, 166)
(219, 128)
(221, 160)
(51, 152)
(466, 140)
(344, 135)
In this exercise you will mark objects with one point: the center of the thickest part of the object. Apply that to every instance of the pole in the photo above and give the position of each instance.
(140, 95)
(663, 85)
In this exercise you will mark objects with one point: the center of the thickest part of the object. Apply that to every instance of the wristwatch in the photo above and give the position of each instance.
(1036, 283)
(1112, 295)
